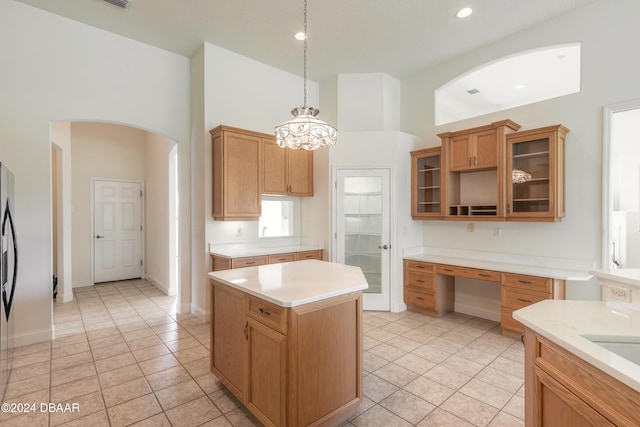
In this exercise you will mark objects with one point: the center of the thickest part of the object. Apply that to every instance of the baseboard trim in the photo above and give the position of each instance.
(200, 313)
(42, 335)
(477, 312)
(82, 283)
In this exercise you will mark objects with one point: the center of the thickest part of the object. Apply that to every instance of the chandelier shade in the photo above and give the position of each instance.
(305, 131)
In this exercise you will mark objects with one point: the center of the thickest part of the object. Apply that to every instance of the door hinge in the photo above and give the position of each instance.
(335, 235)
(140, 227)
(140, 263)
(140, 193)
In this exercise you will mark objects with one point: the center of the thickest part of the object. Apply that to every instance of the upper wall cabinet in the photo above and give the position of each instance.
(491, 173)
(426, 191)
(474, 170)
(286, 172)
(535, 165)
(236, 165)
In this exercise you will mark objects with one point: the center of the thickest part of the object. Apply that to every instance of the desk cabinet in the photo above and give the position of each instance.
(430, 287)
(519, 290)
(425, 290)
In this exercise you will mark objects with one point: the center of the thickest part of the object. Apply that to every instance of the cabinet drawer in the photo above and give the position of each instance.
(275, 259)
(471, 273)
(508, 322)
(419, 280)
(267, 313)
(249, 261)
(309, 255)
(533, 283)
(420, 299)
(516, 298)
(419, 266)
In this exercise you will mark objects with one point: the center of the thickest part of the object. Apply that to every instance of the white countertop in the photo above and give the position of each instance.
(531, 270)
(564, 323)
(264, 247)
(291, 284)
(628, 276)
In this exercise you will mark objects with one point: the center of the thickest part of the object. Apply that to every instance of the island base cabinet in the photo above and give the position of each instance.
(266, 373)
(304, 370)
(563, 390)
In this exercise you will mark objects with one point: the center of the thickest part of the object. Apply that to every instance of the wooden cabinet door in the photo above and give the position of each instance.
(274, 168)
(227, 339)
(485, 149)
(266, 369)
(559, 407)
(460, 154)
(300, 173)
(236, 174)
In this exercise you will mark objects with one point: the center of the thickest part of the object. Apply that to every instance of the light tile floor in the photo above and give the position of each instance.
(123, 357)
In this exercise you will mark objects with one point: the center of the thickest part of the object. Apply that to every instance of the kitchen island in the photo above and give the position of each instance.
(580, 367)
(286, 340)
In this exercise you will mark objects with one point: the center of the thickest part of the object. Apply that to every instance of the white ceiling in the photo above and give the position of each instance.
(396, 37)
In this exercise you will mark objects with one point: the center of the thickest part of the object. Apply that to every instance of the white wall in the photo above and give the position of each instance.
(608, 34)
(54, 69)
(237, 91)
(158, 210)
(98, 150)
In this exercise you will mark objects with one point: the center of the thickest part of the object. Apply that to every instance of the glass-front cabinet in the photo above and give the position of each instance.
(535, 174)
(426, 194)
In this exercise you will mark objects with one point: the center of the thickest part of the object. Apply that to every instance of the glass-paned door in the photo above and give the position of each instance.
(362, 229)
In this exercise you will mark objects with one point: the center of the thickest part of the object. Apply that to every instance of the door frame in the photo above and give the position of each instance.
(92, 222)
(334, 220)
(607, 196)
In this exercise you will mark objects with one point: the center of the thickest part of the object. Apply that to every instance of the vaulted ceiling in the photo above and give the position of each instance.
(396, 37)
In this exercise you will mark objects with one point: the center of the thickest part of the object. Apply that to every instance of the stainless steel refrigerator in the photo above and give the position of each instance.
(8, 274)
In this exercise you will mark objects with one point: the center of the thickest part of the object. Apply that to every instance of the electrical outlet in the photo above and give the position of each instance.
(618, 293)
(470, 227)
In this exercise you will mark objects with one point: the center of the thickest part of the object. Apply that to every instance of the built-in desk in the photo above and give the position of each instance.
(429, 280)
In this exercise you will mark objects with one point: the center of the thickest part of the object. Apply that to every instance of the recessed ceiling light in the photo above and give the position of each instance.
(472, 91)
(300, 35)
(464, 12)
(519, 86)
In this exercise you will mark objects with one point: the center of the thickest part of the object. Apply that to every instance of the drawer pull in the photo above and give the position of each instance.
(448, 269)
(524, 300)
(282, 259)
(420, 298)
(250, 262)
(265, 312)
(484, 275)
(420, 266)
(419, 280)
(526, 282)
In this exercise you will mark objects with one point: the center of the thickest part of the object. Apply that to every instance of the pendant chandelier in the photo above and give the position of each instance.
(305, 130)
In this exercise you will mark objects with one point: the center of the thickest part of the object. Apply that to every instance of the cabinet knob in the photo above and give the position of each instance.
(99, 236)
(384, 246)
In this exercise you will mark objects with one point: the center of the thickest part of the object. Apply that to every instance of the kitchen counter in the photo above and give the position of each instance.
(550, 267)
(286, 340)
(263, 247)
(565, 323)
(292, 284)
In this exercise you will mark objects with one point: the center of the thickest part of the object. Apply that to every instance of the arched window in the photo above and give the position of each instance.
(520, 79)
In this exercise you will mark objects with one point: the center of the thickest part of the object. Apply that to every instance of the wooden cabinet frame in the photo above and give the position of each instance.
(286, 172)
(476, 178)
(299, 366)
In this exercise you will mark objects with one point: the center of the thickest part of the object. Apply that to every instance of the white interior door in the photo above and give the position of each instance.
(117, 230)
(362, 226)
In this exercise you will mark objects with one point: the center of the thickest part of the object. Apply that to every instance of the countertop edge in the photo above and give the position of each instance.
(571, 340)
(532, 270)
(241, 253)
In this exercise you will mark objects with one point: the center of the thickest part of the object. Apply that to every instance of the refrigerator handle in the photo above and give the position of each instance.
(9, 302)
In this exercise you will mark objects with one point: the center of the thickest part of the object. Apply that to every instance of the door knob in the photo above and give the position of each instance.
(384, 247)
(99, 236)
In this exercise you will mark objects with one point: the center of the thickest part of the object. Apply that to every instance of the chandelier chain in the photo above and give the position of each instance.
(305, 53)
